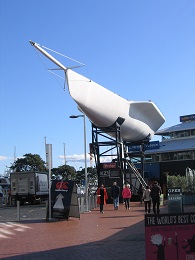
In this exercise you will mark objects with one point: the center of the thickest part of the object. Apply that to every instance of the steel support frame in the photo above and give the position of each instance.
(101, 140)
(116, 143)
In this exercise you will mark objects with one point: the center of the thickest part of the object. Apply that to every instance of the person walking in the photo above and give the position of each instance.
(140, 193)
(115, 190)
(156, 191)
(126, 193)
(102, 196)
(147, 199)
(1, 195)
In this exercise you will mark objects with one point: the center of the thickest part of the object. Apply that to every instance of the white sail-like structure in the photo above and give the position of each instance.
(139, 119)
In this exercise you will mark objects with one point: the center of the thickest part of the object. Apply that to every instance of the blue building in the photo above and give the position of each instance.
(173, 154)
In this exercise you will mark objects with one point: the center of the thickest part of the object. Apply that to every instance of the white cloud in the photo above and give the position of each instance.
(78, 160)
(4, 158)
(81, 158)
(75, 157)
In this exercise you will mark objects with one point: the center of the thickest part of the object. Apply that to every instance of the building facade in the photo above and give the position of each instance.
(173, 154)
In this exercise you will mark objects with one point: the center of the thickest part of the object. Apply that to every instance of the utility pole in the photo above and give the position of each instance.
(64, 154)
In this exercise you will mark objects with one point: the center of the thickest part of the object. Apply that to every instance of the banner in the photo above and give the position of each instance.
(170, 236)
(151, 146)
(64, 199)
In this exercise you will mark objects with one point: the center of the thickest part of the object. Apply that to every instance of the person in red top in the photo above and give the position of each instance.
(126, 193)
(102, 196)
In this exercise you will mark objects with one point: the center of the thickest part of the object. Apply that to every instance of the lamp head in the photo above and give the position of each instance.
(73, 116)
(76, 116)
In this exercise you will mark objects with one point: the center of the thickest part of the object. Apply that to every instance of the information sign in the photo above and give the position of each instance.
(62, 196)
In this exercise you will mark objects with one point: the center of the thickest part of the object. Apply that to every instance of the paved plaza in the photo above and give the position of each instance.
(116, 234)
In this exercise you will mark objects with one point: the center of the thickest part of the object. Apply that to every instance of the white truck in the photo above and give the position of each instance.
(29, 186)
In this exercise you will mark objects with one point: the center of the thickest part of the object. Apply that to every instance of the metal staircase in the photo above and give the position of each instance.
(137, 173)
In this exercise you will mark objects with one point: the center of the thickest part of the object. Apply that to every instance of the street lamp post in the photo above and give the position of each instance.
(85, 154)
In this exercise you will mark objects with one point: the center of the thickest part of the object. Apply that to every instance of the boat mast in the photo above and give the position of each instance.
(50, 57)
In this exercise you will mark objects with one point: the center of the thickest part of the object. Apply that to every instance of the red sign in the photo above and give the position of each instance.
(170, 236)
(62, 185)
(108, 165)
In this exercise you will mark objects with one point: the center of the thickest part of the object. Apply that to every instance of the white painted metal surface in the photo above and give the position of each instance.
(103, 107)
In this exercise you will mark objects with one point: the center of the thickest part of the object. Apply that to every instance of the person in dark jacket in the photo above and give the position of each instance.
(140, 193)
(156, 191)
(115, 190)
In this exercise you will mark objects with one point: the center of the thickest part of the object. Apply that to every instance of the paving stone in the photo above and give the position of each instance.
(116, 234)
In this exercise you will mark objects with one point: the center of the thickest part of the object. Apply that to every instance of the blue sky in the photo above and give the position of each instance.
(141, 50)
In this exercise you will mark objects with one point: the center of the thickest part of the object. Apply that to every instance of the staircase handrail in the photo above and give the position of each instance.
(137, 174)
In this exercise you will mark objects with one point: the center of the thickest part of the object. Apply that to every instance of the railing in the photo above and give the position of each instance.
(137, 174)
(92, 203)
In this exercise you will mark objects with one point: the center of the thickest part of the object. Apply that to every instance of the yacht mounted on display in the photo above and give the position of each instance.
(138, 119)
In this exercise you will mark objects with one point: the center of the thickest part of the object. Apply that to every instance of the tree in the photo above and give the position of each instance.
(80, 175)
(30, 162)
(91, 175)
(64, 172)
(186, 183)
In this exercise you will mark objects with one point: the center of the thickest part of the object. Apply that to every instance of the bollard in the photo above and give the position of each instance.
(82, 204)
(18, 210)
(79, 202)
(92, 202)
(6, 198)
(47, 210)
(89, 202)
(95, 201)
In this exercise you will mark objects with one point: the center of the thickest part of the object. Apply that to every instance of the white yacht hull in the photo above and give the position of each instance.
(141, 119)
